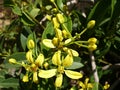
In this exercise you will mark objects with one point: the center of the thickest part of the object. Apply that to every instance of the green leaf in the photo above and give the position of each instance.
(75, 65)
(18, 56)
(10, 82)
(95, 87)
(48, 33)
(34, 12)
(27, 20)
(16, 10)
(60, 4)
(23, 41)
(68, 23)
(95, 14)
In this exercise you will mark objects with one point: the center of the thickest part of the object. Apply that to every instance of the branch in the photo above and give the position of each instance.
(94, 69)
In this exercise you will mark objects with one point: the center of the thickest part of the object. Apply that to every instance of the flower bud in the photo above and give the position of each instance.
(25, 78)
(92, 40)
(52, 0)
(91, 24)
(60, 18)
(31, 44)
(68, 41)
(55, 41)
(12, 61)
(92, 47)
(46, 65)
(55, 22)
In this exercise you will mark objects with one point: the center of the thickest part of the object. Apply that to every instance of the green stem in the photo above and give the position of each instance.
(67, 30)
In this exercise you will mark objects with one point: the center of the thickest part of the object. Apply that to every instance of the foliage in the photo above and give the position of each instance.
(49, 44)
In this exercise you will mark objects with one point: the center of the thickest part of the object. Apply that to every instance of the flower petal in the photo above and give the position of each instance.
(73, 74)
(47, 73)
(59, 80)
(48, 43)
(68, 61)
(74, 53)
(56, 60)
(35, 77)
(40, 59)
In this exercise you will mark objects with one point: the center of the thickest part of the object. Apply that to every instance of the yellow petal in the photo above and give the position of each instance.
(31, 44)
(68, 41)
(73, 74)
(56, 60)
(60, 18)
(35, 77)
(47, 73)
(25, 78)
(12, 61)
(81, 84)
(59, 34)
(59, 80)
(48, 43)
(55, 22)
(29, 56)
(74, 53)
(40, 59)
(67, 61)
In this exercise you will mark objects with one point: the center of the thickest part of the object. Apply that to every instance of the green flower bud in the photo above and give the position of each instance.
(91, 24)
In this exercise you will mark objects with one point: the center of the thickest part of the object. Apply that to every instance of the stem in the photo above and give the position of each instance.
(94, 69)
(67, 30)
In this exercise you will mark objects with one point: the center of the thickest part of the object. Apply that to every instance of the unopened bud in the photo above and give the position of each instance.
(46, 65)
(92, 47)
(60, 18)
(52, 0)
(31, 44)
(68, 41)
(55, 41)
(92, 40)
(91, 24)
(12, 61)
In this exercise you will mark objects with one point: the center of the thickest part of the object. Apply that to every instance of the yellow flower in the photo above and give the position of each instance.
(66, 62)
(85, 85)
(12, 61)
(106, 86)
(48, 43)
